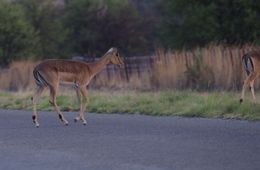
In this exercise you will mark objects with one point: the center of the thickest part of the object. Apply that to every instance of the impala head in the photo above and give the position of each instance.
(115, 57)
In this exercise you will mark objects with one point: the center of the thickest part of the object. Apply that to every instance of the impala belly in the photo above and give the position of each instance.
(68, 79)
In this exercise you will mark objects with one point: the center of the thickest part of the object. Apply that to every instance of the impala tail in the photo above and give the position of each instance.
(39, 80)
(248, 63)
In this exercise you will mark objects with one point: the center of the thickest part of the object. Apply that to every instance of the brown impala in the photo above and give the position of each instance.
(251, 63)
(51, 73)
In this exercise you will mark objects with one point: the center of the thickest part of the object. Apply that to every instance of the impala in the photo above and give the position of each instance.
(54, 72)
(251, 63)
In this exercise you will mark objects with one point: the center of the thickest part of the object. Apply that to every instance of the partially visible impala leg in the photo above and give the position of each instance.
(35, 99)
(249, 82)
(53, 93)
(252, 90)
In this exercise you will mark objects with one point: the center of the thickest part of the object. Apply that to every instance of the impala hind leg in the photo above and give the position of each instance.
(249, 82)
(83, 100)
(252, 90)
(35, 99)
(53, 93)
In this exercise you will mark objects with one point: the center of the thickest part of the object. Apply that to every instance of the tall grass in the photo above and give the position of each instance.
(214, 67)
(18, 77)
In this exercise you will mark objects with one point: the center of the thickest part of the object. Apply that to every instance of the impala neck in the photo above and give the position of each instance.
(99, 65)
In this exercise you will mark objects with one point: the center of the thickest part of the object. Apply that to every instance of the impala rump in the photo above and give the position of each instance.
(251, 64)
(248, 63)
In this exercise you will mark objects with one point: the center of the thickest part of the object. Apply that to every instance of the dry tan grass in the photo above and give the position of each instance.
(18, 77)
(217, 67)
(214, 67)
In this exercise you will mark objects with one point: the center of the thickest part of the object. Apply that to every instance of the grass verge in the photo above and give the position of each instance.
(179, 103)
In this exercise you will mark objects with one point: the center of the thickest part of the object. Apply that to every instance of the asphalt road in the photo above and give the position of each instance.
(127, 142)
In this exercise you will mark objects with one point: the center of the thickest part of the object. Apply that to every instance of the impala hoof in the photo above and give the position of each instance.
(66, 123)
(241, 100)
(76, 119)
(85, 123)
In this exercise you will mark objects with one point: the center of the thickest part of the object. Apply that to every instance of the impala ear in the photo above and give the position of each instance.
(112, 50)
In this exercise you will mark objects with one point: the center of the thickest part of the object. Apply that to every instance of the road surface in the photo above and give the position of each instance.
(127, 142)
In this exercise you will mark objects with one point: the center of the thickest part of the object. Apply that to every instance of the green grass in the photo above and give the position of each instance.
(179, 103)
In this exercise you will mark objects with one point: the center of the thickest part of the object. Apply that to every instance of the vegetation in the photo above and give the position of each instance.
(62, 28)
(196, 23)
(189, 30)
(17, 36)
(211, 68)
(177, 103)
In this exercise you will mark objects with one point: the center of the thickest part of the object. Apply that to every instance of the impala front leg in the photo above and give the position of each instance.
(82, 98)
(84, 104)
(79, 96)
